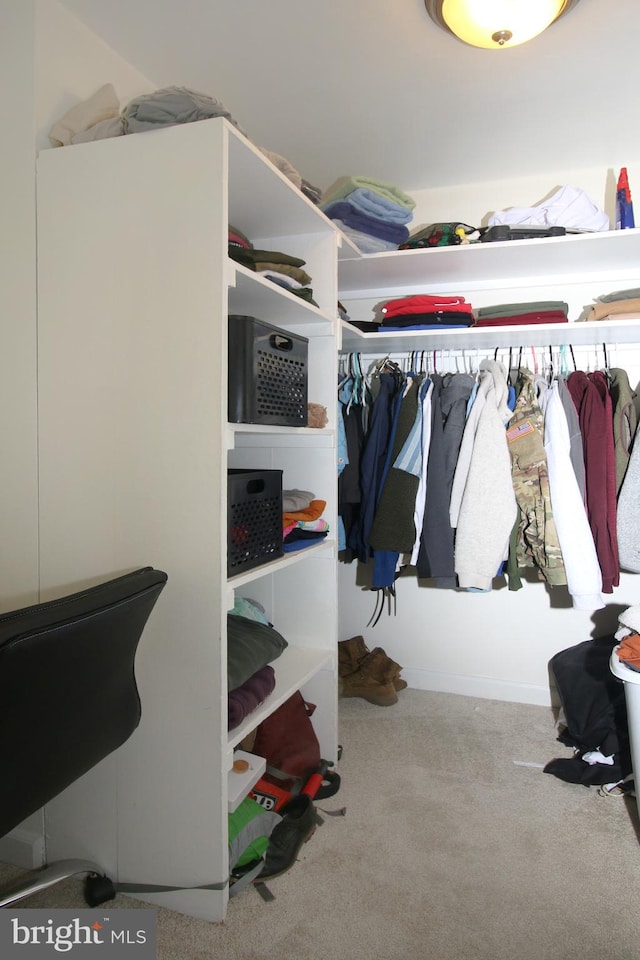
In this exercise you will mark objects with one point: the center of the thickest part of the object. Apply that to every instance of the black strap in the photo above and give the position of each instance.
(330, 785)
(162, 888)
(238, 883)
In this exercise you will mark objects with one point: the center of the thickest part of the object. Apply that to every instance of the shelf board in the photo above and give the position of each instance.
(506, 264)
(240, 783)
(293, 668)
(262, 435)
(483, 338)
(254, 295)
(295, 556)
(260, 195)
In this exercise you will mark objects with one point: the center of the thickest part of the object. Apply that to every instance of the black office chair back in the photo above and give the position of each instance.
(68, 694)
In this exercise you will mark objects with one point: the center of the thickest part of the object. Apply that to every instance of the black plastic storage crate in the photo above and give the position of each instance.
(254, 518)
(268, 374)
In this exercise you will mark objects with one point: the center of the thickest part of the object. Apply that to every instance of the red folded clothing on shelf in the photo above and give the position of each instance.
(424, 303)
(522, 319)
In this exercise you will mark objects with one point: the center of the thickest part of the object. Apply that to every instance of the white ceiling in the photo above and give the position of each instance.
(375, 88)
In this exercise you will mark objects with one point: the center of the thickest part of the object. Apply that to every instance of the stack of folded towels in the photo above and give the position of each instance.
(373, 214)
(424, 311)
(521, 314)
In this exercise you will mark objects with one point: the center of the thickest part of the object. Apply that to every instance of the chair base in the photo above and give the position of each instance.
(98, 887)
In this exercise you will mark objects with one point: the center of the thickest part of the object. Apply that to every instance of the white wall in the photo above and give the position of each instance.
(18, 486)
(71, 64)
(48, 62)
(473, 202)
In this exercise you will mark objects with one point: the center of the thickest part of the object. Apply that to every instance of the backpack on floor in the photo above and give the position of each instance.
(250, 827)
(288, 742)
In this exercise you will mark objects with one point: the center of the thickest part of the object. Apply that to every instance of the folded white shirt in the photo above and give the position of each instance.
(569, 207)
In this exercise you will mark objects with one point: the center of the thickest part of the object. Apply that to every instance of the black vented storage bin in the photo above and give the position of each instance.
(268, 374)
(254, 518)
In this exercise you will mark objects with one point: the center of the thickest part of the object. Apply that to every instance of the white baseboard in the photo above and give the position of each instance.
(23, 848)
(486, 688)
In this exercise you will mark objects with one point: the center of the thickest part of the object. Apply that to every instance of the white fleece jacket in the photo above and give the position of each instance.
(584, 578)
(485, 504)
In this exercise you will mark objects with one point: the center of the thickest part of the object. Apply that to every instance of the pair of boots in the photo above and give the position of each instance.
(369, 674)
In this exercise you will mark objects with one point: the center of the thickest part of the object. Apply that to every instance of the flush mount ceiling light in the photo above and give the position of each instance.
(496, 24)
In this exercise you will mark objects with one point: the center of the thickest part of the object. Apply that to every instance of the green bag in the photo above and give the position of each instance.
(250, 827)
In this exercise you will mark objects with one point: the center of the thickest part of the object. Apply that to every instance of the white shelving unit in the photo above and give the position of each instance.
(576, 267)
(603, 257)
(135, 286)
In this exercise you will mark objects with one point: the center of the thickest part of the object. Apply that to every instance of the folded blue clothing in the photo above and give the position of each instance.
(387, 328)
(375, 205)
(343, 210)
(290, 545)
(364, 241)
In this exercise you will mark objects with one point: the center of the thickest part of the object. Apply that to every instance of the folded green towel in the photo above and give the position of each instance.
(346, 185)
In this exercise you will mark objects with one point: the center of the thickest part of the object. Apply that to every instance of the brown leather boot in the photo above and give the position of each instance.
(395, 668)
(373, 680)
(351, 653)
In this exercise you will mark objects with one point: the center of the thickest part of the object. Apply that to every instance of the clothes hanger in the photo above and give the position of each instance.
(550, 372)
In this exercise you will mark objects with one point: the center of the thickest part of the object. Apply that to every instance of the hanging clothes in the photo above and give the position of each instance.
(351, 432)
(372, 463)
(590, 394)
(392, 531)
(584, 578)
(483, 504)
(628, 513)
(576, 450)
(624, 420)
(537, 543)
(435, 558)
(455, 474)
(426, 389)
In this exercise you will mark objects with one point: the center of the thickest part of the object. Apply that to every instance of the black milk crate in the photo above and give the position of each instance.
(268, 374)
(254, 518)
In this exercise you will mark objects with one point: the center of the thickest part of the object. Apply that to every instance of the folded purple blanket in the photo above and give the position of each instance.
(245, 698)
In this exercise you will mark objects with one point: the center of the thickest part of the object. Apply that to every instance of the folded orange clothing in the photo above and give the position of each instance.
(600, 311)
(629, 649)
(312, 512)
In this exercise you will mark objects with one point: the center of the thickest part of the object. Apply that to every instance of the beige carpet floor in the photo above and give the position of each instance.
(455, 844)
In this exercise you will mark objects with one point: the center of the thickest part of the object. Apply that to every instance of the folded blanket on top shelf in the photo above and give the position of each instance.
(169, 106)
(374, 205)
(343, 186)
(383, 229)
(101, 109)
(364, 241)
